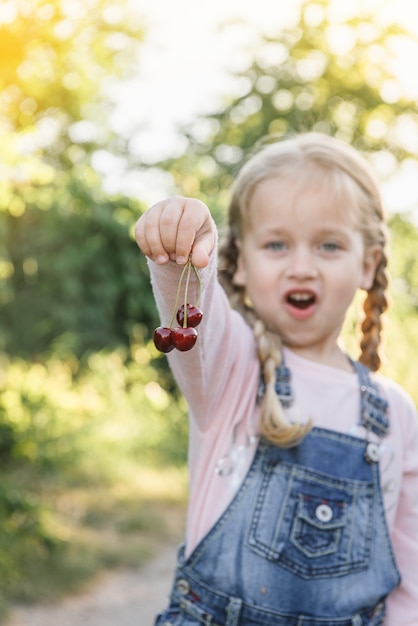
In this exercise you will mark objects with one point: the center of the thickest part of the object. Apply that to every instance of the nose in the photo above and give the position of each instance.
(301, 264)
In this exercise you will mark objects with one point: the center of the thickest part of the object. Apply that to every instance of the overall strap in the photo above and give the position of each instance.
(373, 407)
(282, 387)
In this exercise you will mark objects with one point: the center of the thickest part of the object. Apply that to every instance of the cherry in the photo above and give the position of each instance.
(193, 315)
(163, 339)
(166, 338)
(184, 338)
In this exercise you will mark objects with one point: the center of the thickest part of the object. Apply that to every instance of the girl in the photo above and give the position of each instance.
(303, 462)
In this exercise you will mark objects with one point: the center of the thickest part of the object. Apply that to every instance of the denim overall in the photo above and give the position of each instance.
(304, 542)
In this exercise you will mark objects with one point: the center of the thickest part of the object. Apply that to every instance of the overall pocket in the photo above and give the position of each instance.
(312, 523)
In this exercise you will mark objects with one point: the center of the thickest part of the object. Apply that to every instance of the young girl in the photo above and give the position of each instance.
(303, 462)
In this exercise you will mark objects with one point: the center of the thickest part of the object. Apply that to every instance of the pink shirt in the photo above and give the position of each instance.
(219, 379)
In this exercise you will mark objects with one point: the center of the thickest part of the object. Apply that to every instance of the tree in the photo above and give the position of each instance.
(333, 77)
(71, 279)
(68, 265)
(56, 59)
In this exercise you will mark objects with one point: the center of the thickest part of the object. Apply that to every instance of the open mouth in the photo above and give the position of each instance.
(301, 300)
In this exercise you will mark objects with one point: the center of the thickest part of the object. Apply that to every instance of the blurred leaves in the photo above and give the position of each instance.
(56, 58)
(72, 275)
(70, 425)
(71, 279)
(69, 270)
(322, 74)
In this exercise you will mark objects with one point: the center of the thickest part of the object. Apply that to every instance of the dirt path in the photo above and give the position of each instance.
(122, 598)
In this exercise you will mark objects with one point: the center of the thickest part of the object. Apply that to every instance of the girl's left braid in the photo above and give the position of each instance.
(374, 306)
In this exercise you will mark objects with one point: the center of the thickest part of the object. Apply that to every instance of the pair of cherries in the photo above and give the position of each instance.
(188, 316)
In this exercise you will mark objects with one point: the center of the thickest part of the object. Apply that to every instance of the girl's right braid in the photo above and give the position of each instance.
(274, 424)
(374, 306)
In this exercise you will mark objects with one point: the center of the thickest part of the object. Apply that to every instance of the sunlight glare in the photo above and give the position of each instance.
(185, 65)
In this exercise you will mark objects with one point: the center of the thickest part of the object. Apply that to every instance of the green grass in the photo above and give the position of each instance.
(78, 492)
(97, 527)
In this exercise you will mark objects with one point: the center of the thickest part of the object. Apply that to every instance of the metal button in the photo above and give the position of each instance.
(182, 586)
(324, 513)
(372, 453)
(378, 609)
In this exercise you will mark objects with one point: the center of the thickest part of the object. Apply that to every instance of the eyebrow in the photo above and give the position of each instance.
(323, 230)
(332, 231)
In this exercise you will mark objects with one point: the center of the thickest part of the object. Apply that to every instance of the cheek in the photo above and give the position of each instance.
(261, 284)
(346, 289)
(239, 279)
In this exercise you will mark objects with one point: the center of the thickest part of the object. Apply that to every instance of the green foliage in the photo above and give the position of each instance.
(318, 75)
(402, 325)
(76, 407)
(53, 411)
(403, 259)
(56, 59)
(71, 424)
(72, 275)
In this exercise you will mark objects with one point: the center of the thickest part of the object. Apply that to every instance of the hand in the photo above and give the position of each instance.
(176, 229)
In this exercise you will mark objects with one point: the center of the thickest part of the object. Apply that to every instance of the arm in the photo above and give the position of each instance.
(224, 351)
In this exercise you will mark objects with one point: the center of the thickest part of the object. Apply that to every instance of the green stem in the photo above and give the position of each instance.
(199, 284)
(178, 293)
(186, 290)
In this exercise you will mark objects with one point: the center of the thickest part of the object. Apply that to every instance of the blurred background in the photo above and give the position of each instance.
(105, 107)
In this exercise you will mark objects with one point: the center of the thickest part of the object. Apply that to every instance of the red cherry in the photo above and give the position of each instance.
(163, 339)
(184, 338)
(193, 315)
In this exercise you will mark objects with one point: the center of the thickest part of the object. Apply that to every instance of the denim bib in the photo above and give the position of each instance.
(305, 540)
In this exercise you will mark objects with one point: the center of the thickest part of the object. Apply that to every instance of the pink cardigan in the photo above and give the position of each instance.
(219, 379)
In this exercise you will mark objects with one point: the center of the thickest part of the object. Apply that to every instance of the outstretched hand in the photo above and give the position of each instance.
(177, 229)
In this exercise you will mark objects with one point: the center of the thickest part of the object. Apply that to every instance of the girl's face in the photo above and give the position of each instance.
(301, 261)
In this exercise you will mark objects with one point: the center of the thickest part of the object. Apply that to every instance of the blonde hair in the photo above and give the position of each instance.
(347, 174)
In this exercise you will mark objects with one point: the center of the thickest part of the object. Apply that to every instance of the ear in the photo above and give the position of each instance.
(372, 258)
(240, 277)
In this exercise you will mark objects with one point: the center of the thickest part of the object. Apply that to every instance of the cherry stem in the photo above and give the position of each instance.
(199, 283)
(187, 266)
(186, 289)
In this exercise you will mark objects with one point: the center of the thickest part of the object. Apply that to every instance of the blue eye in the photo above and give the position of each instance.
(329, 246)
(276, 246)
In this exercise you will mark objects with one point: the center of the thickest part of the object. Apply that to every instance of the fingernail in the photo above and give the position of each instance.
(161, 259)
(181, 260)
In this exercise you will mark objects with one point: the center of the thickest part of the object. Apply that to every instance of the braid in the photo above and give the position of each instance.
(374, 306)
(274, 424)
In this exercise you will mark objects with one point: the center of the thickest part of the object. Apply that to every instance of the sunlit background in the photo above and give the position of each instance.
(105, 107)
(185, 64)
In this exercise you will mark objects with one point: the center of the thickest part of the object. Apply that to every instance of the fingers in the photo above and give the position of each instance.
(176, 229)
(158, 228)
